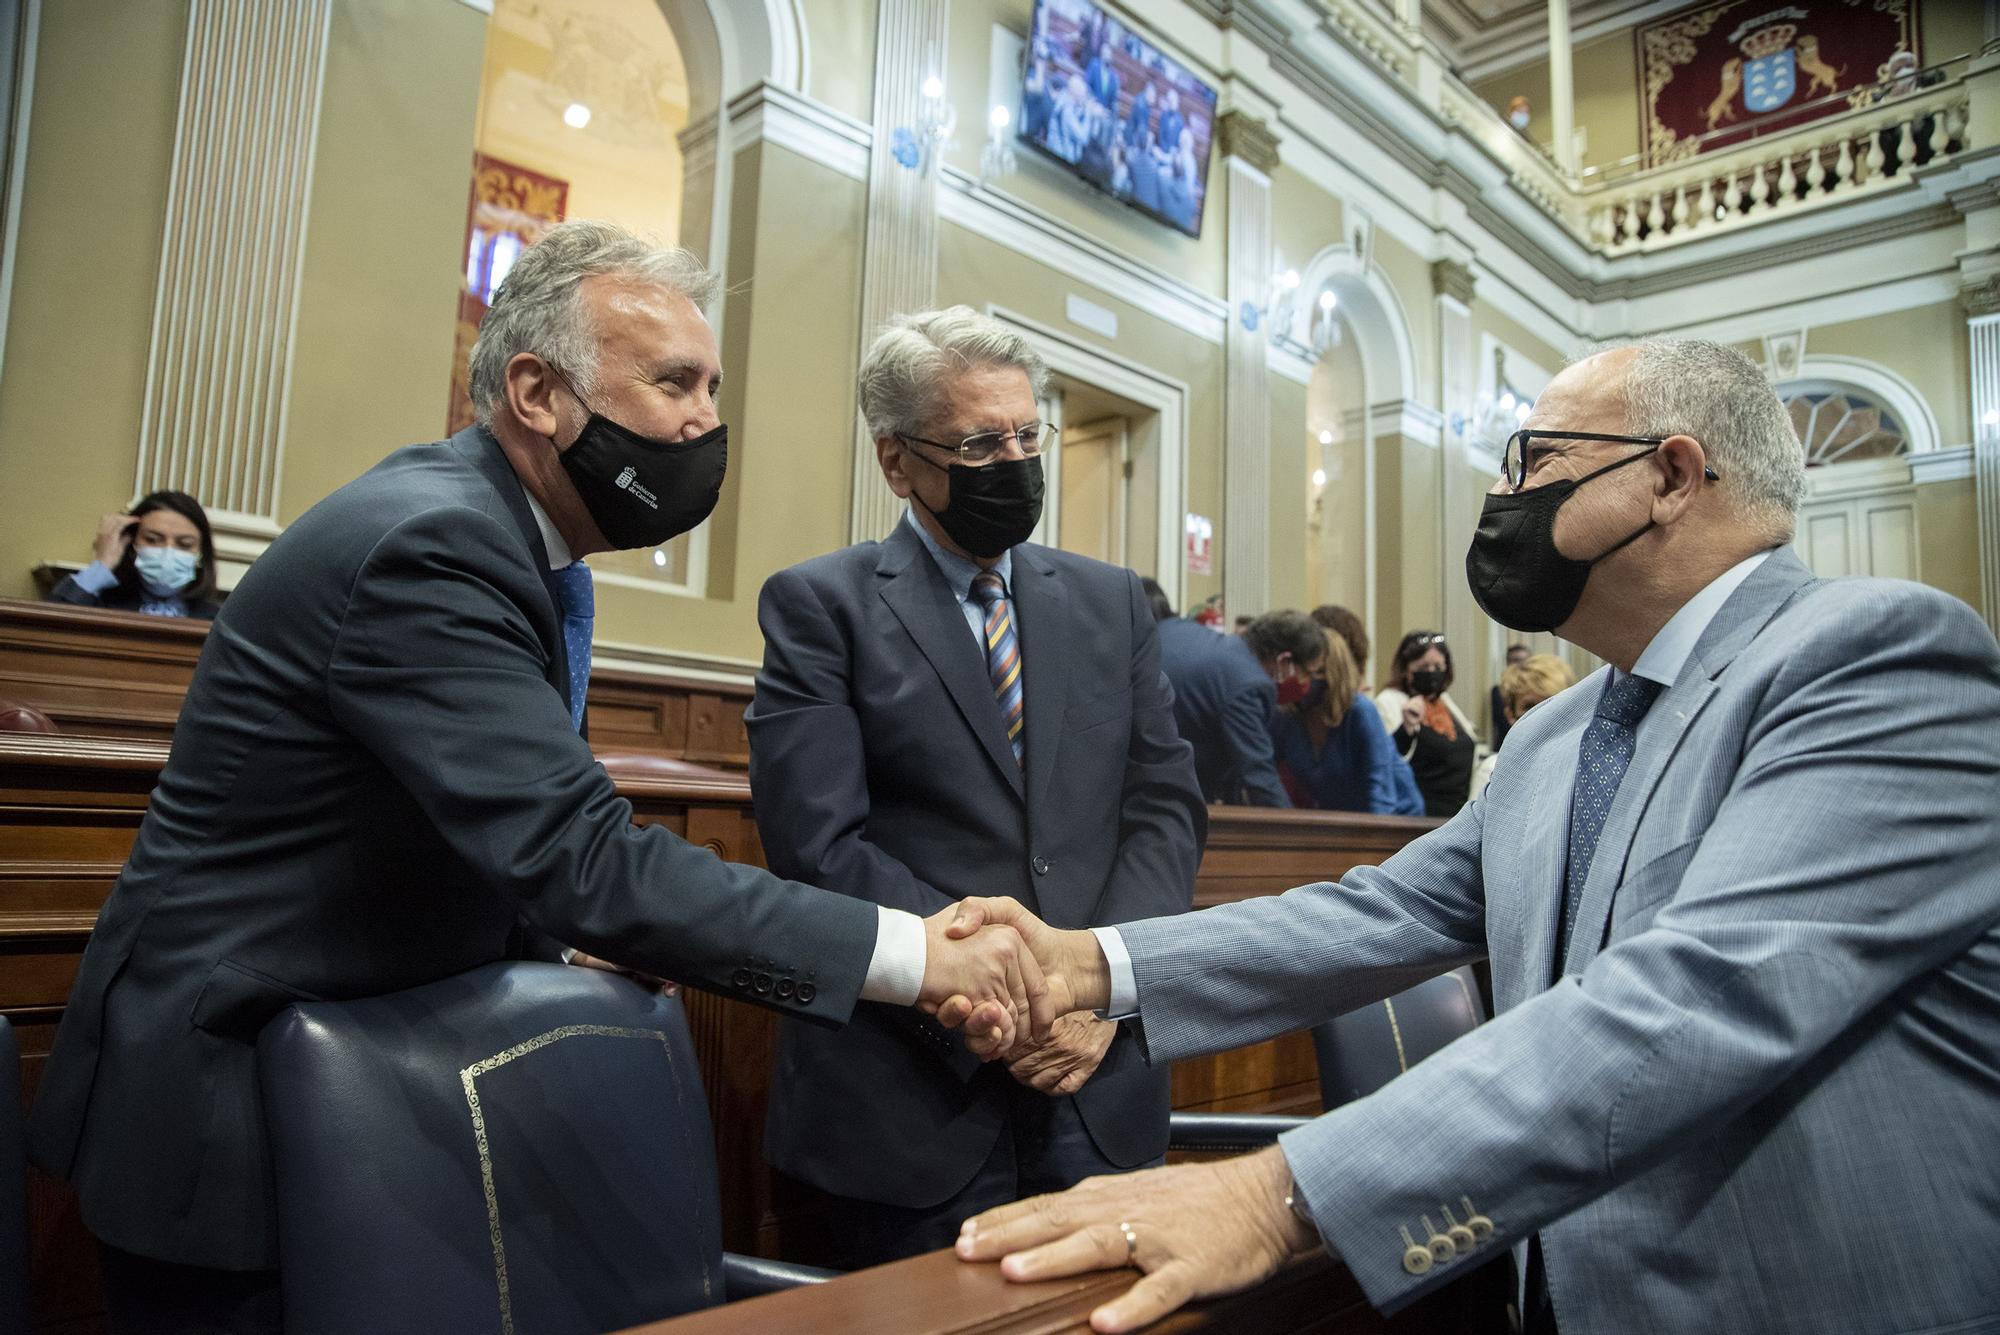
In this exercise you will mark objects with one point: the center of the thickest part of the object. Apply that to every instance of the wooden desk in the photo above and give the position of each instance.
(119, 674)
(940, 1295)
(70, 809)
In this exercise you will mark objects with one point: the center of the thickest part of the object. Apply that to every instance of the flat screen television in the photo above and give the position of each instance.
(1108, 105)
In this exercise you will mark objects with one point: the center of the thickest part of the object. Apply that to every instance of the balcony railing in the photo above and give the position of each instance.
(1627, 208)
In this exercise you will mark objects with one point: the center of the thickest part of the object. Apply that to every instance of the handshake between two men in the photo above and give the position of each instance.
(1195, 1230)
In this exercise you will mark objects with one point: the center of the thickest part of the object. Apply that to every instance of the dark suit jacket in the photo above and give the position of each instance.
(374, 782)
(881, 772)
(1223, 703)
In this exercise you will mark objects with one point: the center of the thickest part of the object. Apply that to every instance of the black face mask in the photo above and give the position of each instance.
(993, 508)
(1428, 682)
(1517, 576)
(643, 491)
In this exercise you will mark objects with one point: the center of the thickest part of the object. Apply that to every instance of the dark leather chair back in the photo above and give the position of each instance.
(17, 717)
(1363, 1050)
(524, 1148)
(13, 1190)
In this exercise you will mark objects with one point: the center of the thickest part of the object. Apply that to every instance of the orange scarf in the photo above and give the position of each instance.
(1438, 719)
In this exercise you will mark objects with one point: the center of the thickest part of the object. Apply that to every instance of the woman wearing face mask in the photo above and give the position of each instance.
(157, 558)
(1333, 753)
(1430, 731)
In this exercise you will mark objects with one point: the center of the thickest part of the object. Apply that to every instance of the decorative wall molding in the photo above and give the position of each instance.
(1415, 422)
(218, 371)
(899, 246)
(655, 661)
(1886, 387)
(1246, 395)
(1451, 279)
(1946, 465)
(1241, 135)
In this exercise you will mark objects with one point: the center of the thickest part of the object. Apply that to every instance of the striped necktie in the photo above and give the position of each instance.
(579, 607)
(1003, 656)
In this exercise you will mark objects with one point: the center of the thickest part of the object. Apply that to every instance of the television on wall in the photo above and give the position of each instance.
(1106, 103)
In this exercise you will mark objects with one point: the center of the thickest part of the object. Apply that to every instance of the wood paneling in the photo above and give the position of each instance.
(70, 808)
(119, 674)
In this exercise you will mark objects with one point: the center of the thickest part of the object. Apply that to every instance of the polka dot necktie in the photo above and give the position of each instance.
(1601, 762)
(1003, 656)
(579, 605)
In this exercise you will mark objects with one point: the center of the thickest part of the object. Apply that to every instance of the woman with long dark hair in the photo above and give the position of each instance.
(157, 558)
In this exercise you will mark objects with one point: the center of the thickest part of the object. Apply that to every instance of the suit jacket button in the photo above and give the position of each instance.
(1041, 865)
(806, 993)
(762, 984)
(741, 978)
(1416, 1259)
(784, 991)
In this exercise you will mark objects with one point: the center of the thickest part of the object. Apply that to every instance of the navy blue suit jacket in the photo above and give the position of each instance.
(881, 771)
(1223, 702)
(374, 783)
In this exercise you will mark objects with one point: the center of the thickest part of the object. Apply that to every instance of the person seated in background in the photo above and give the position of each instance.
(1527, 682)
(1496, 710)
(1333, 753)
(1226, 687)
(157, 557)
(954, 711)
(1037, 101)
(1428, 727)
(1138, 131)
(1344, 623)
(1069, 128)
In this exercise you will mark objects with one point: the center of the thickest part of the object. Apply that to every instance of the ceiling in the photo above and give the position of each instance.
(1487, 37)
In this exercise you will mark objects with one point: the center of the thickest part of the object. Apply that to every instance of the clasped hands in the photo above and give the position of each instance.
(1194, 1230)
(1011, 983)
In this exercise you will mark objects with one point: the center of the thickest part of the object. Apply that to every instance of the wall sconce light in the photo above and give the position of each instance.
(1276, 309)
(917, 147)
(1990, 419)
(997, 158)
(1326, 333)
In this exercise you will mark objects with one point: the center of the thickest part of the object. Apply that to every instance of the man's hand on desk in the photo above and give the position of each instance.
(1072, 963)
(1195, 1230)
(1062, 1062)
(987, 981)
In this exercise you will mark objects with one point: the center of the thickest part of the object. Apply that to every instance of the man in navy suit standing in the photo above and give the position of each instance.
(957, 711)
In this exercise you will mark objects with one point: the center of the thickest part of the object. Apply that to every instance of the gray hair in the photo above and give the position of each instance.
(1693, 387)
(907, 366)
(540, 306)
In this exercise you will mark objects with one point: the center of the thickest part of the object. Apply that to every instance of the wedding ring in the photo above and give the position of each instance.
(1131, 1242)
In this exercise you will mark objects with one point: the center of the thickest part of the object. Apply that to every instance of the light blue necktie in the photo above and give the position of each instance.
(1601, 763)
(579, 605)
(1003, 656)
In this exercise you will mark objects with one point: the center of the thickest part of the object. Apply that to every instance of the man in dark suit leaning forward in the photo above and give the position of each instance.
(956, 711)
(378, 780)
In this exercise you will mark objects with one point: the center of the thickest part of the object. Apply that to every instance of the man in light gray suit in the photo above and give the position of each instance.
(1741, 895)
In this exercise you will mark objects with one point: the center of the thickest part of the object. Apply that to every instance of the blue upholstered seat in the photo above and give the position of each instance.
(1363, 1050)
(521, 1148)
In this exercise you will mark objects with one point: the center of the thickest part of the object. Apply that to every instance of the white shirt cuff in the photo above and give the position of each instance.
(96, 578)
(896, 971)
(1124, 987)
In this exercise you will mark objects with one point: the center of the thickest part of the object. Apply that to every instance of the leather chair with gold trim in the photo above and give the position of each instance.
(524, 1147)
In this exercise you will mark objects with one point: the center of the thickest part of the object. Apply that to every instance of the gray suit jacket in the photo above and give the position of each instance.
(374, 782)
(1764, 1094)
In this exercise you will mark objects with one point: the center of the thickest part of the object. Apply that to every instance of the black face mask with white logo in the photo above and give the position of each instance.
(642, 491)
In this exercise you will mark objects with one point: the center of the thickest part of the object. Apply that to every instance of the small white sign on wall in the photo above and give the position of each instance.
(1089, 315)
(1200, 545)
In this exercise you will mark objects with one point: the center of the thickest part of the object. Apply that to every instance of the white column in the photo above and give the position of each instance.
(1452, 285)
(1562, 90)
(1410, 13)
(899, 248)
(1249, 154)
(1985, 331)
(218, 370)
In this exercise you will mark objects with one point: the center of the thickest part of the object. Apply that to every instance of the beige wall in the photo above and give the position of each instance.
(1292, 462)
(1605, 82)
(840, 47)
(372, 368)
(106, 86)
(1947, 523)
(1928, 346)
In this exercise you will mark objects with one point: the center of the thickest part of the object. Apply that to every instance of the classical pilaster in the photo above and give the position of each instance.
(1986, 490)
(899, 248)
(219, 366)
(1562, 87)
(1249, 155)
(1460, 479)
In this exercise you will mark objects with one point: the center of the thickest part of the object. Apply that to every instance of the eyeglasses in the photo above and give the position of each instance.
(1519, 460)
(983, 447)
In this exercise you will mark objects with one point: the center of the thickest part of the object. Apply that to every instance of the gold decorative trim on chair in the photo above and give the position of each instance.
(469, 1077)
